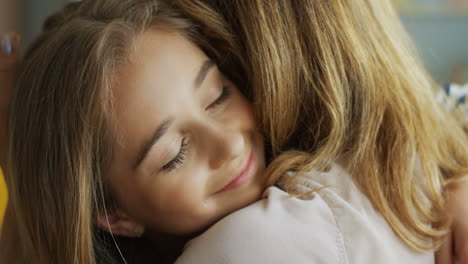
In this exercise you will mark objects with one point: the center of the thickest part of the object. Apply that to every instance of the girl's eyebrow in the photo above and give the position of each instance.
(204, 69)
(164, 126)
(159, 132)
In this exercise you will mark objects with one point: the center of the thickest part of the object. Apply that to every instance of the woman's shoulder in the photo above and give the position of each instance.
(367, 236)
(332, 223)
(276, 229)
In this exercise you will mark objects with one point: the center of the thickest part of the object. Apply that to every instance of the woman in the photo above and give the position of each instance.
(97, 161)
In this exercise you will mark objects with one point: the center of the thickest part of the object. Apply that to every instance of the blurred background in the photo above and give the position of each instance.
(438, 27)
(440, 31)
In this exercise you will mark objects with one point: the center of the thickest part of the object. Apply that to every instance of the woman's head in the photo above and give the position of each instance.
(340, 77)
(128, 124)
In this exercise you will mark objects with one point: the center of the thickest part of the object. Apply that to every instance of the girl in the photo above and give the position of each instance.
(130, 127)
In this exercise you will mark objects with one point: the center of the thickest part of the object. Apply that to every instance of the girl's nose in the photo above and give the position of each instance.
(223, 145)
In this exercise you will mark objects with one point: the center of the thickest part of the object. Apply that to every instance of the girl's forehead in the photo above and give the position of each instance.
(161, 61)
(159, 57)
(154, 85)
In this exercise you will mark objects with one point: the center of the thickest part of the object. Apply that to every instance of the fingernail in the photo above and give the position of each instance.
(6, 45)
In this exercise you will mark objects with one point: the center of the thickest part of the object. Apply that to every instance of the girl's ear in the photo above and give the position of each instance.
(118, 223)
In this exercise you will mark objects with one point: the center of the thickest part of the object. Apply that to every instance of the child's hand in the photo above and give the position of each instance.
(455, 249)
(9, 59)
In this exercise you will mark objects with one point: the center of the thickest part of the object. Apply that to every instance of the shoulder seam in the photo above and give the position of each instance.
(341, 246)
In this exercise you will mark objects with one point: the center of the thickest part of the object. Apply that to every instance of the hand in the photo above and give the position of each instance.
(455, 248)
(9, 59)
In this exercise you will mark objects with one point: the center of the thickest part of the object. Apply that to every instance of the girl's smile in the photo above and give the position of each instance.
(247, 171)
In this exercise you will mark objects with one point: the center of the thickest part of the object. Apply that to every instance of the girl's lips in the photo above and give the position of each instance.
(243, 176)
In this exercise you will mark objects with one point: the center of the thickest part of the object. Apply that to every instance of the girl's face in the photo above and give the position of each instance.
(188, 150)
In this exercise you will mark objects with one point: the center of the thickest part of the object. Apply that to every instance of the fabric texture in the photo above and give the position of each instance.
(335, 224)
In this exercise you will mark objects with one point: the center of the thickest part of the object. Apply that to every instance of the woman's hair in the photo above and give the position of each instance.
(334, 78)
(61, 137)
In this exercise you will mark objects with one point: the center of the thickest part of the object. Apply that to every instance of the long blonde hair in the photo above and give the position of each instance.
(341, 78)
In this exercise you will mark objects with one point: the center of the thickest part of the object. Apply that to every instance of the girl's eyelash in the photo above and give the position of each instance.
(179, 159)
(225, 94)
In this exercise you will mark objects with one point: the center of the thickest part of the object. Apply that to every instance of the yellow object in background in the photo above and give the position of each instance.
(3, 197)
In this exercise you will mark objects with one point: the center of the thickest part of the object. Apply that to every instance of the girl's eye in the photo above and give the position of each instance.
(225, 94)
(178, 159)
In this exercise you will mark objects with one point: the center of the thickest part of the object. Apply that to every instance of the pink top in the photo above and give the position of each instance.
(336, 224)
